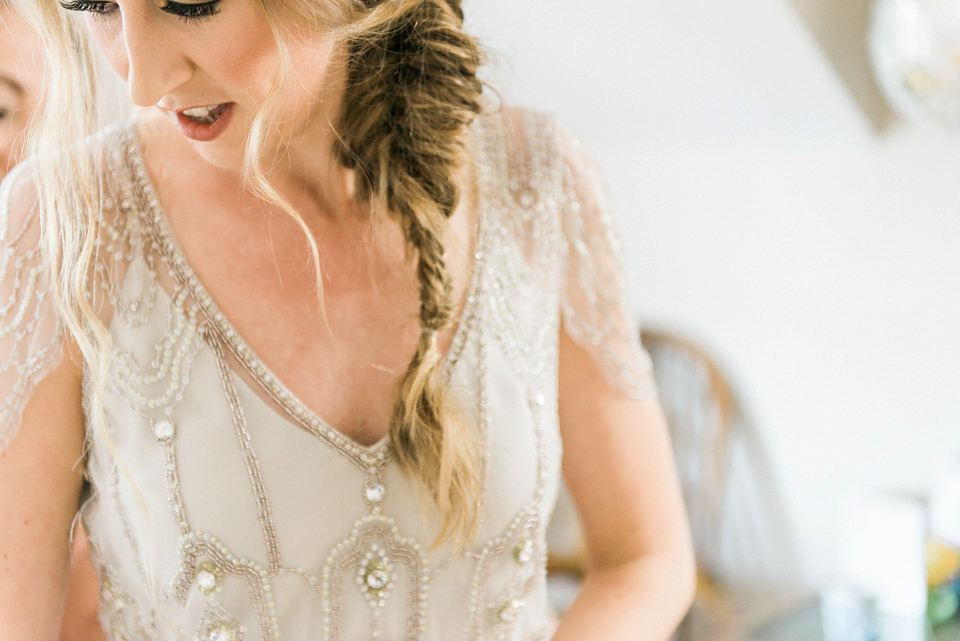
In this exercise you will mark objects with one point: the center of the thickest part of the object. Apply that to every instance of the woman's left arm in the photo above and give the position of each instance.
(618, 465)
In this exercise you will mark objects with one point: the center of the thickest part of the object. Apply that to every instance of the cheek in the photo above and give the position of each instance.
(251, 73)
(239, 54)
(6, 140)
(109, 39)
(10, 129)
(317, 75)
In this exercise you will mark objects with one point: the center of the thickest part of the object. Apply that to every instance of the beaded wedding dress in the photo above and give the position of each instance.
(221, 508)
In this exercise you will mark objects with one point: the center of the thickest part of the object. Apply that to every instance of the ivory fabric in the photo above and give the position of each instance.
(227, 510)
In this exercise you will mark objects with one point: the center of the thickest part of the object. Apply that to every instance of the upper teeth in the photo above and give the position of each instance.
(199, 112)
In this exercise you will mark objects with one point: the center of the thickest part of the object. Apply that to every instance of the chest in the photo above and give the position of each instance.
(342, 348)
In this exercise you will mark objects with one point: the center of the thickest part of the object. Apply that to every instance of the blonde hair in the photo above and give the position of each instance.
(412, 91)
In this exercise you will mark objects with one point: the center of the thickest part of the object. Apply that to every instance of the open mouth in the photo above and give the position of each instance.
(206, 115)
(204, 123)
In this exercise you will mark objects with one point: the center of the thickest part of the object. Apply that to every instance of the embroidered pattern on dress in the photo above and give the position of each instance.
(119, 613)
(249, 459)
(206, 562)
(369, 555)
(531, 358)
(593, 308)
(361, 456)
(217, 624)
(512, 304)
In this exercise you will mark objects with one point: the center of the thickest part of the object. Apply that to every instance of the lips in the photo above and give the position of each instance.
(204, 123)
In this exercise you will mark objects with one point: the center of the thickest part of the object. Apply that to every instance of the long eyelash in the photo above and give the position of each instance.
(92, 6)
(192, 12)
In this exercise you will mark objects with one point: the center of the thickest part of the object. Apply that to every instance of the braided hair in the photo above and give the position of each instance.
(412, 90)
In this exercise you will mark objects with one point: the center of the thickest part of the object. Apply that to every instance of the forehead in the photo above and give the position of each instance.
(21, 52)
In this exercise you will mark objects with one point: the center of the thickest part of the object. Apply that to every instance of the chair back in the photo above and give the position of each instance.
(738, 522)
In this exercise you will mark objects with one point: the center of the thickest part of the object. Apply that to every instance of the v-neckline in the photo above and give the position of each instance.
(363, 455)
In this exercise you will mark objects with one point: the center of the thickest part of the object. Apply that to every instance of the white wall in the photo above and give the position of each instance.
(760, 214)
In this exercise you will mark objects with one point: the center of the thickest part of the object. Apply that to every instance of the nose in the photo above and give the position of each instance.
(156, 64)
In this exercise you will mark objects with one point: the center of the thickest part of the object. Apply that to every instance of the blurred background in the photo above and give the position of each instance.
(775, 208)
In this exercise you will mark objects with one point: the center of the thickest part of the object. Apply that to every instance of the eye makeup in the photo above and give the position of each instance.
(188, 12)
(196, 12)
(99, 8)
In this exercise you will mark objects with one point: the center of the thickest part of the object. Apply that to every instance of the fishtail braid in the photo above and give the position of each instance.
(412, 91)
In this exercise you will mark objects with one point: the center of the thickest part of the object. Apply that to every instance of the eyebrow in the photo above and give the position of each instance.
(12, 83)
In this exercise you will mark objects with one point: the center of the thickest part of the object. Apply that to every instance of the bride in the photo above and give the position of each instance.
(307, 345)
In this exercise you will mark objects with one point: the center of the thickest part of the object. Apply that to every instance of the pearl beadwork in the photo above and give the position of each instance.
(523, 552)
(510, 610)
(163, 431)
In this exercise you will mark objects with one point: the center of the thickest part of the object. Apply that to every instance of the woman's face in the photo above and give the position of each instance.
(209, 67)
(21, 75)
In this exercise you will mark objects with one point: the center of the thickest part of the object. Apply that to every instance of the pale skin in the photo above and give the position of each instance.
(255, 261)
(21, 74)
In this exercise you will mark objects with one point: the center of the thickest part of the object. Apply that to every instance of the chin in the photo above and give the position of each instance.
(220, 155)
(227, 150)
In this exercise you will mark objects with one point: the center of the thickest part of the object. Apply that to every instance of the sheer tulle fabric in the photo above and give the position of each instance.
(595, 308)
(30, 334)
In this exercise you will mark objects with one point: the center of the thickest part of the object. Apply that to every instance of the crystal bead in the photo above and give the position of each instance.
(206, 580)
(208, 577)
(374, 493)
(163, 430)
(377, 578)
(221, 631)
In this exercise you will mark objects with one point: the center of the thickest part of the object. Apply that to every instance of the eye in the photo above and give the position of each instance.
(99, 8)
(4, 112)
(192, 12)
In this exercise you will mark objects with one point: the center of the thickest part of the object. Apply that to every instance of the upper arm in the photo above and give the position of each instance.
(618, 465)
(41, 431)
(617, 462)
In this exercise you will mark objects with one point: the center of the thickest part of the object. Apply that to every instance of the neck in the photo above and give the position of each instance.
(298, 151)
(304, 168)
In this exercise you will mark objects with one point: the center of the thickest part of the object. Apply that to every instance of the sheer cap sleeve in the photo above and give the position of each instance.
(30, 333)
(596, 312)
